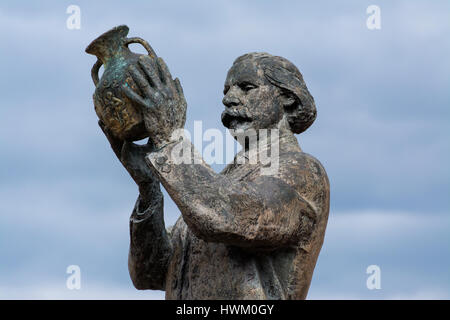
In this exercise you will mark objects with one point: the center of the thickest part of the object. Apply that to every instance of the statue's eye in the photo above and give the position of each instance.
(245, 86)
(225, 89)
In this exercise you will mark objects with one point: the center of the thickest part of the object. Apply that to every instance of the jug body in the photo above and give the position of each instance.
(121, 115)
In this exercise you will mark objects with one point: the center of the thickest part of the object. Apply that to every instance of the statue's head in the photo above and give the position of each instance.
(261, 90)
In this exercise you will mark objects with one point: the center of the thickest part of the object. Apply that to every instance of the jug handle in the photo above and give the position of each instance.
(94, 71)
(144, 43)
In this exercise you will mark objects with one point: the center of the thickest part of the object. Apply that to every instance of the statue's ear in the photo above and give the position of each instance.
(287, 82)
(289, 101)
(299, 103)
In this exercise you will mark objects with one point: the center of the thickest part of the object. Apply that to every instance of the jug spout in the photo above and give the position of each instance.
(109, 43)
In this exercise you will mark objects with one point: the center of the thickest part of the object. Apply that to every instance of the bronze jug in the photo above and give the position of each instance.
(119, 114)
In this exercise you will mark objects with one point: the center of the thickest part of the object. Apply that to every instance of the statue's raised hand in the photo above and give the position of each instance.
(132, 157)
(163, 102)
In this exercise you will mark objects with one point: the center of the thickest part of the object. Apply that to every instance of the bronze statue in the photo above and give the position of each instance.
(242, 234)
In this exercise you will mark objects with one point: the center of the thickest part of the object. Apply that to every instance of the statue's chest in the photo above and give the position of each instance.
(209, 270)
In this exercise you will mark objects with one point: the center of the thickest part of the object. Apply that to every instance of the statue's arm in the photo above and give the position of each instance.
(267, 212)
(150, 246)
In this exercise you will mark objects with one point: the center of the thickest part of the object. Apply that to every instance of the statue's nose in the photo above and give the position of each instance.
(230, 100)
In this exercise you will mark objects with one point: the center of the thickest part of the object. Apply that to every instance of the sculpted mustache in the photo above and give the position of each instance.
(236, 113)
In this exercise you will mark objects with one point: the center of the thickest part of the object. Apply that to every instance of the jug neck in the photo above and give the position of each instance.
(109, 44)
(106, 54)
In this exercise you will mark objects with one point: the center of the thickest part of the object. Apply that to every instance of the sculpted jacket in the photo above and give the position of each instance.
(242, 234)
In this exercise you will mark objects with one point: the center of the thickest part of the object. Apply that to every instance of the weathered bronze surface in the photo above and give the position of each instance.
(120, 114)
(242, 234)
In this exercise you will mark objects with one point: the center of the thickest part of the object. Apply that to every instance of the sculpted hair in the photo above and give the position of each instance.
(284, 74)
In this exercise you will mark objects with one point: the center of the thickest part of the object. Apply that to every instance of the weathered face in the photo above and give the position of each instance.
(251, 102)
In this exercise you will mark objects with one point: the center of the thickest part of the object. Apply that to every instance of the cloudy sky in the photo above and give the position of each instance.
(382, 134)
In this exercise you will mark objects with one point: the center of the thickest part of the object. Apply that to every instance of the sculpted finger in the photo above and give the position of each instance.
(150, 69)
(130, 147)
(179, 87)
(116, 144)
(148, 147)
(183, 118)
(130, 152)
(165, 73)
(101, 125)
(105, 130)
(142, 150)
(135, 97)
(140, 80)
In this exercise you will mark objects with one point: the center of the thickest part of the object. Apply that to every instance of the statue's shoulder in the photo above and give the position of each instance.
(313, 163)
(308, 177)
(302, 168)
(301, 159)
